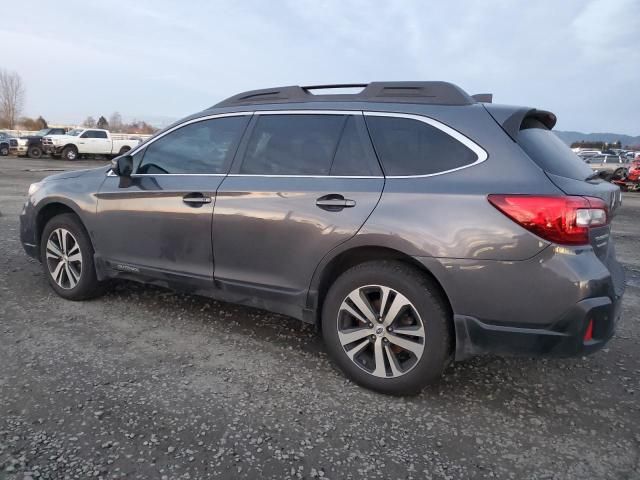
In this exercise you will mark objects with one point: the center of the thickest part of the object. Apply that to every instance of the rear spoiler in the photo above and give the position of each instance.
(510, 118)
(483, 97)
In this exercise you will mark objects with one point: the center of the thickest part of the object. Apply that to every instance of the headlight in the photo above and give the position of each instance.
(34, 187)
(22, 142)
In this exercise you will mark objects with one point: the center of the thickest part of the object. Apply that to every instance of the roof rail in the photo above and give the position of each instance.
(434, 93)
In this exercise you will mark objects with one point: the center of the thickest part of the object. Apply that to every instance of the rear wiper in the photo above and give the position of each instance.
(592, 176)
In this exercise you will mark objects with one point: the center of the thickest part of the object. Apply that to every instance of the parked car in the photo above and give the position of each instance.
(588, 153)
(608, 166)
(410, 223)
(86, 141)
(31, 145)
(4, 143)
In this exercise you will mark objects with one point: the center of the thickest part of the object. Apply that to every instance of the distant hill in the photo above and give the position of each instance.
(570, 137)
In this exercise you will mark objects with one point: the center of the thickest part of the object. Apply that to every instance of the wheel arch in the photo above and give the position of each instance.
(52, 209)
(345, 259)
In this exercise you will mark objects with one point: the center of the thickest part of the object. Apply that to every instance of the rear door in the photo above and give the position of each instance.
(302, 183)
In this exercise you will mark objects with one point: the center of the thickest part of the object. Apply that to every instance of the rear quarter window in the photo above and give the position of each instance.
(410, 147)
(550, 153)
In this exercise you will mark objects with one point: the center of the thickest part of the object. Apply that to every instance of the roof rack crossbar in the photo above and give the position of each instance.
(336, 85)
(436, 93)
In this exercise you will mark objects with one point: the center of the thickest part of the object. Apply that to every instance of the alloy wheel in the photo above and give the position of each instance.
(64, 258)
(381, 331)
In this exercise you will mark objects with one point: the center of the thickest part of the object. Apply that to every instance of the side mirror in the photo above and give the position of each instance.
(122, 166)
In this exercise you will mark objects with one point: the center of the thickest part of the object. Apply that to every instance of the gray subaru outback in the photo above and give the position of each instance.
(414, 224)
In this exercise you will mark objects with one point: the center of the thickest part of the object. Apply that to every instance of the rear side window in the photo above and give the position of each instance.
(410, 147)
(550, 153)
(201, 147)
(292, 145)
(98, 134)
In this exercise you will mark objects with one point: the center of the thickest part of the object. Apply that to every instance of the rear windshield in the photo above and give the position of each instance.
(552, 154)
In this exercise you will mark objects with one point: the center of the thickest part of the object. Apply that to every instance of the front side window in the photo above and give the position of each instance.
(410, 147)
(292, 144)
(204, 147)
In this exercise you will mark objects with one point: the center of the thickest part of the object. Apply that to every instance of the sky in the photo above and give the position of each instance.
(161, 60)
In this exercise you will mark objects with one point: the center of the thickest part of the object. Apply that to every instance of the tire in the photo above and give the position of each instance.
(70, 153)
(72, 280)
(426, 308)
(618, 174)
(34, 152)
(4, 150)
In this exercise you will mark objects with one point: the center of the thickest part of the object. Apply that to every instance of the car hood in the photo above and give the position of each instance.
(91, 172)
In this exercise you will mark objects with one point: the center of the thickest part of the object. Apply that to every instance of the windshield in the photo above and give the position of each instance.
(552, 155)
(75, 132)
(42, 133)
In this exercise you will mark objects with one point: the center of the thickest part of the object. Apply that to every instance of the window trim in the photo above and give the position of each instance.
(480, 152)
(184, 124)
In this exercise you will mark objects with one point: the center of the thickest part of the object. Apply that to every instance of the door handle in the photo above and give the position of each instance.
(334, 202)
(196, 199)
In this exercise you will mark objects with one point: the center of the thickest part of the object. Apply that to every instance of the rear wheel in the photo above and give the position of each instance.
(387, 328)
(67, 257)
(34, 152)
(70, 153)
(4, 150)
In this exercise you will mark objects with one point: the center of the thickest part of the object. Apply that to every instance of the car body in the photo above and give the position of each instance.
(407, 208)
(608, 165)
(5, 144)
(31, 145)
(588, 153)
(87, 141)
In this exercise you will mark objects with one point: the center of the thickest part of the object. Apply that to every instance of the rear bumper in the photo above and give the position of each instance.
(564, 338)
(539, 306)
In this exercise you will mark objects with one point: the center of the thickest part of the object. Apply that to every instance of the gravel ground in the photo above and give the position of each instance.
(144, 383)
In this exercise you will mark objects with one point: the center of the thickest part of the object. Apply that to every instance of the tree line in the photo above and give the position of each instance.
(116, 125)
(12, 96)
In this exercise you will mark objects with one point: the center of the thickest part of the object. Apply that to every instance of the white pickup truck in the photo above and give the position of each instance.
(86, 141)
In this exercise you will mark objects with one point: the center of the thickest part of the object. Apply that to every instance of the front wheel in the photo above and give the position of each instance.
(67, 258)
(4, 150)
(386, 326)
(70, 153)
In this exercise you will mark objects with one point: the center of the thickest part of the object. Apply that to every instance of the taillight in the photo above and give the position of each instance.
(560, 219)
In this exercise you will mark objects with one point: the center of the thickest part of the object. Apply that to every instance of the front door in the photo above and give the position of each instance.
(302, 184)
(158, 223)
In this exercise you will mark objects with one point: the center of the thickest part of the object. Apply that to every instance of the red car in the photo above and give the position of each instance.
(634, 171)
